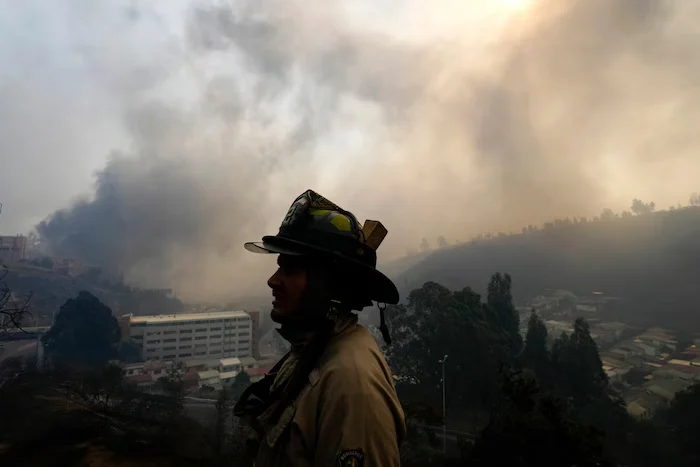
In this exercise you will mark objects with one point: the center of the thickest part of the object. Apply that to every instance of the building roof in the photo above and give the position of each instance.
(227, 375)
(131, 366)
(140, 378)
(687, 369)
(156, 319)
(636, 410)
(208, 374)
(154, 365)
(666, 388)
(248, 361)
(675, 361)
(230, 361)
(613, 362)
(190, 376)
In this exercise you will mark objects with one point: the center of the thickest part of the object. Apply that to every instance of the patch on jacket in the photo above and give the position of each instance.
(351, 458)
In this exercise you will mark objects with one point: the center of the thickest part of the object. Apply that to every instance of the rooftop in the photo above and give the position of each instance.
(230, 361)
(666, 388)
(154, 319)
(140, 378)
(248, 361)
(208, 374)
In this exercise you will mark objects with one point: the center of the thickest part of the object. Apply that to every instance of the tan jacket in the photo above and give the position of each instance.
(348, 414)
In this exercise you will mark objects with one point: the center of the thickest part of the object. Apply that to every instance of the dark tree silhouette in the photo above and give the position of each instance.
(577, 366)
(224, 403)
(424, 245)
(695, 199)
(683, 418)
(240, 382)
(13, 310)
(607, 215)
(639, 207)
(129, 351)
(525, 421)
(500, 303)
(535, 355)
(85, 333)
(435, 322)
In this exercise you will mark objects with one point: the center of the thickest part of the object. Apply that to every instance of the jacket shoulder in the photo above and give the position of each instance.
(355, 356)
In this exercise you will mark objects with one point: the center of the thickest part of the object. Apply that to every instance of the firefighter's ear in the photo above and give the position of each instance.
(374, 233)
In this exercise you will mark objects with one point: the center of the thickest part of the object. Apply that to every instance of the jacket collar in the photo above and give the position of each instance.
(298, 337)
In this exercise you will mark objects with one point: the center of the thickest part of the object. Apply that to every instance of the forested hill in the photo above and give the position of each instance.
(651, 261)
(49, 290)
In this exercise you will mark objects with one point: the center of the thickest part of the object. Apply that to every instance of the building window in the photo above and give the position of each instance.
(169, 332)
(200, 338)
(217, 336)
(215, 329)
(200, 353)
(167, 357)
(182, 347)
(243, 333)
(185, 331)
(153, 333)
(200, 346)
(214, 352)
(169, 348)
(156, 341)
(244, 341)
(200, 330)
(169, 340)
(138, 325)
(150, 350)
(215, 344)
(183, 339)
(185, 355)
(137, 338)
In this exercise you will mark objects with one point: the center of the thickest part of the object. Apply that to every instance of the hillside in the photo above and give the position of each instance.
(50, 290)
(651, 261)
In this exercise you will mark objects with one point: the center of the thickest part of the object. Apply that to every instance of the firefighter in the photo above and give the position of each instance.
(331, 400)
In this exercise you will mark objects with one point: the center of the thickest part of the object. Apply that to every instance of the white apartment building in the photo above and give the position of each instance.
(193, 336)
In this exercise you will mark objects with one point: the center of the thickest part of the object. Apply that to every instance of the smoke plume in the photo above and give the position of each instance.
(559, 108)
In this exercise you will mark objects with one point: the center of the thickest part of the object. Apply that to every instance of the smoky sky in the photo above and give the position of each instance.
(229, 110)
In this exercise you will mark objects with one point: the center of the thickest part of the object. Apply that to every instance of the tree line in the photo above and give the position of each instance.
(526, 402)
(637, 208)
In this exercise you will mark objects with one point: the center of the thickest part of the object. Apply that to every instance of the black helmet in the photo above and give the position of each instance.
(316, 226)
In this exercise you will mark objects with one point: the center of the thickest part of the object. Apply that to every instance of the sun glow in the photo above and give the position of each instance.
(516, 5)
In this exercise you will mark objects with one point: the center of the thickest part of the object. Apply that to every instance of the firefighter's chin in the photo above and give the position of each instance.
(279, 313)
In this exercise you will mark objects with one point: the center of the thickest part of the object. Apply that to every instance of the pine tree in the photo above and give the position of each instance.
(535, 354)
(577, 365)
(500, 302)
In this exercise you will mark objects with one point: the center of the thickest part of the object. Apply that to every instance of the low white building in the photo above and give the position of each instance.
(209, 378)
(193, 336)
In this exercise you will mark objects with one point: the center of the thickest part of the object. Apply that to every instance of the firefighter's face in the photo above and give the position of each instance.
(288, 285)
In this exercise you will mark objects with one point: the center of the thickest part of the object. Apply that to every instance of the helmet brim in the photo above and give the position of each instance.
(378, 286)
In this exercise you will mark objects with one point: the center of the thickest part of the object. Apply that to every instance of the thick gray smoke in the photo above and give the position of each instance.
(571, 107)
